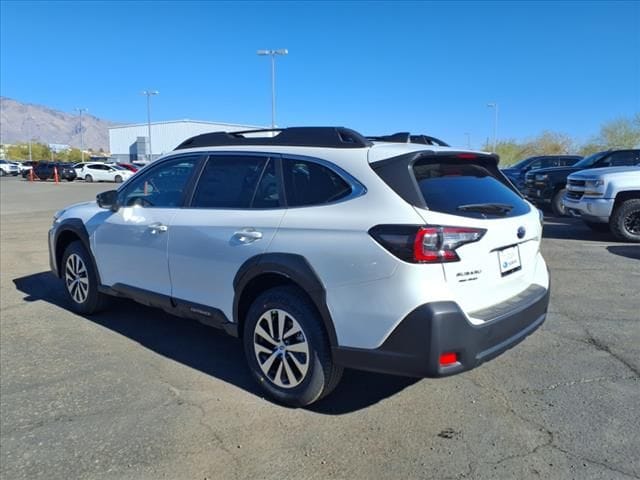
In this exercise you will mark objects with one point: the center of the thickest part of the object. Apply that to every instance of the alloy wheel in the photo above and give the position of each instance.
(632, 223)
(77, 278)
(281, 348)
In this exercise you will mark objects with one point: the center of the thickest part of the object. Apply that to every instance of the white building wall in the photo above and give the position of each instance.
(165, 136)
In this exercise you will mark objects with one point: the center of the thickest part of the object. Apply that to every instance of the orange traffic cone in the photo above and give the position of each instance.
(56, 178)
(31, 174)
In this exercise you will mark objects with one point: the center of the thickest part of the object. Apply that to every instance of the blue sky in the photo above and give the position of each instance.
(378, 67)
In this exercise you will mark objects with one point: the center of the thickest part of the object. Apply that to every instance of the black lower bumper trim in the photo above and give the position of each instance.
(414, 347)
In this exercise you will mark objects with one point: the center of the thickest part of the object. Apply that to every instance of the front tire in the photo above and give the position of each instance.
(118, 179)
(556, 203)
(81, 280)
(625, 221)
(287, 348)
(88, 178)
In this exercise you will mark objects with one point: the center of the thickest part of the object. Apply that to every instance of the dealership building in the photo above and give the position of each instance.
(128, 143)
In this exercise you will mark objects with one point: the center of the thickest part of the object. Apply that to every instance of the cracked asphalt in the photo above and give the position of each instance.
(134, 393)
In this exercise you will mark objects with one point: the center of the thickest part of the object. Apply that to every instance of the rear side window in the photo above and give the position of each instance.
(467, 189)
(623, 159)
(309, 183)
(229, 182)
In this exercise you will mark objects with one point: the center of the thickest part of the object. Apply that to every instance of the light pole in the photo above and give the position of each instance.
(80, 110)
(272, 54)
(468, 135)
(29, 131)
(494, 105)
(149, 94)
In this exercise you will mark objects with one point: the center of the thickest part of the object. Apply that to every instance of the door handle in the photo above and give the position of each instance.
(247, 235)
(158, 227)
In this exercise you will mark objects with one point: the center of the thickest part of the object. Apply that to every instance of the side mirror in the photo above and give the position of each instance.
(108, 200)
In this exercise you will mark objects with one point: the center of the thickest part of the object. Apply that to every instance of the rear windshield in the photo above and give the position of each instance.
(459, 187)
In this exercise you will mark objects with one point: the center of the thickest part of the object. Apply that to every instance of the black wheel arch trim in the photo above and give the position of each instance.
(76, 226)
(295, 268)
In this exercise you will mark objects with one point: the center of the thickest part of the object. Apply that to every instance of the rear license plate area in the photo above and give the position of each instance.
(509, 260)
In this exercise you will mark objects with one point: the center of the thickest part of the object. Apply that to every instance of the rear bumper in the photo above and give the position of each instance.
(414, 347)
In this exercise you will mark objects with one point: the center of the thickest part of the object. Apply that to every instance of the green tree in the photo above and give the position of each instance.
(592, 146)
(75, 155)
(20, 151)
(621, 133)
(551, 143)
(510, 151)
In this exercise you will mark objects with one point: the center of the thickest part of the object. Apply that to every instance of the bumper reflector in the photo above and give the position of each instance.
(448, 358)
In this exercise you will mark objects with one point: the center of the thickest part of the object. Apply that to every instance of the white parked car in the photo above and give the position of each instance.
(8, 168)
(321, 249)
(22, 167)
(101, 172)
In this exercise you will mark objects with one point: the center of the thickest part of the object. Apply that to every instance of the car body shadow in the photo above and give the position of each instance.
(568, 228)
(628, 251)
(206, 349)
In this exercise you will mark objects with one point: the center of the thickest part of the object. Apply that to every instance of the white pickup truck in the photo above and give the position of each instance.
(606, 199)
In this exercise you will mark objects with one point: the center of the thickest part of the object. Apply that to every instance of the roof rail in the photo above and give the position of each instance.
(333, 137)
(406, 137)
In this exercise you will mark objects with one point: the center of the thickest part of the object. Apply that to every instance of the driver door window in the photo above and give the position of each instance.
(534, 165)
(163, 186)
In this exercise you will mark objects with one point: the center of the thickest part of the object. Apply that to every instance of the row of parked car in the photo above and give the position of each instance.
(87, 171)
(602, 189)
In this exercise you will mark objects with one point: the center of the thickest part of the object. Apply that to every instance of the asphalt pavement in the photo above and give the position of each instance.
(134, 393)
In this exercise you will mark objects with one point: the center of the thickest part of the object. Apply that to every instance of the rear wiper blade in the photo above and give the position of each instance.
(495, 208)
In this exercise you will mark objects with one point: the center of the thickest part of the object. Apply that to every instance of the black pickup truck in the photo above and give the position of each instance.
(545, 187)
(45, 171)
(516, 172)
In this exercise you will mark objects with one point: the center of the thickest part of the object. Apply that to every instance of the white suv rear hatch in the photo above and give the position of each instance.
(463, 192)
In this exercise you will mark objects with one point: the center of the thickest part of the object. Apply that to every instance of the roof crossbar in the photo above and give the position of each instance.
(406, 137)
(333, 137)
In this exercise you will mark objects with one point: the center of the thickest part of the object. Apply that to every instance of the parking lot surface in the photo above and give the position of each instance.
(134, 393)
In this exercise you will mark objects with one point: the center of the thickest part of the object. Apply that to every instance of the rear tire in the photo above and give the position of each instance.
(597, 227)
(556, 203)
(625, 221)
(81, 280)
(88, 178)
(287, 348)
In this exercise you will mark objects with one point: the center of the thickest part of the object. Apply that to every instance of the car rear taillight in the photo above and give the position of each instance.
(430, 244)
(438, 244)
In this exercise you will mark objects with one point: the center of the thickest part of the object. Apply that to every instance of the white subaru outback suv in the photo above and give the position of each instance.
(321, 249)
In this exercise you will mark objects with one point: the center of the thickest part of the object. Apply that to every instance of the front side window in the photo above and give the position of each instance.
(162, 186)
(590, 161)
(230, 181)
(536, 164)
(309, 183)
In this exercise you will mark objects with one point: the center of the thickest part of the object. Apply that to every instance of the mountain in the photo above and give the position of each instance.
(50, 126)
